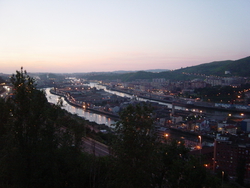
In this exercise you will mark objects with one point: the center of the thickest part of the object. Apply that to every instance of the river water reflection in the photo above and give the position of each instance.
(93, 117)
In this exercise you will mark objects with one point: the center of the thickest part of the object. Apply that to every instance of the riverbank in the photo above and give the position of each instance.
(140, 96)
(194, 134)
(195, 104)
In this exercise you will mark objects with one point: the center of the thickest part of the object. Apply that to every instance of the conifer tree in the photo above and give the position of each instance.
(135, 147)
(32, 137)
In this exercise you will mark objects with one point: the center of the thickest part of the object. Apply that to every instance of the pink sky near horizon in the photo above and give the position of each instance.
(79, 36)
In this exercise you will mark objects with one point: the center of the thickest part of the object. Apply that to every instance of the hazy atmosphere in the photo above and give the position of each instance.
(84, 36)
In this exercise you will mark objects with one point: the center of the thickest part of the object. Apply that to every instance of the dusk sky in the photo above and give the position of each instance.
(109, 35)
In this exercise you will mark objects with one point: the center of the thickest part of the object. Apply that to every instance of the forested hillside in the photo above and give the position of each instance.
(236, 68)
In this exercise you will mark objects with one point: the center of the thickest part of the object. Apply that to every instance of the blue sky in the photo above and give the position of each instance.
(85, 36)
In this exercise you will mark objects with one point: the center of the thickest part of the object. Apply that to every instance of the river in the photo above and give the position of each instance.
(88, 115)
(102, 119)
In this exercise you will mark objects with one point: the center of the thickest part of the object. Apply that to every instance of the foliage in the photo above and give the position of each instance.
(141, 160)
(177, 168)
(223, 94)
(33, 133)
(237, 68)
(134, 147)
(126, 77)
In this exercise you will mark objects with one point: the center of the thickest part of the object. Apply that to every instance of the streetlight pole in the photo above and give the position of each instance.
(166, 138)
(222, 178)
(200, 147)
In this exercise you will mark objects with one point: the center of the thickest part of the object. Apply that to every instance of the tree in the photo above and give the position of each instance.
(177, 168)
(173, 158)
(134, 147)
(140, 160)
(33, 140)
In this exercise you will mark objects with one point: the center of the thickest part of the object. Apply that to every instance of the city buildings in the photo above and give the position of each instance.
(232, 155)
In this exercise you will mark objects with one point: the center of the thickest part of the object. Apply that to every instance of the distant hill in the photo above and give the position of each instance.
(124, 72)
(168, 75)
(239, 67)
(157, 70)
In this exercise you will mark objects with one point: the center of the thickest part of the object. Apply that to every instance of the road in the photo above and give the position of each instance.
(94, 147)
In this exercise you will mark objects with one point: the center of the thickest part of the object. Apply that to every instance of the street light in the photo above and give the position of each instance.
(166, 137)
